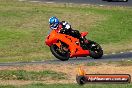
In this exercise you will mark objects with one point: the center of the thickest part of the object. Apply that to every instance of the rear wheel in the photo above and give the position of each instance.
(109, 0)
(61, 54)
(96, 51)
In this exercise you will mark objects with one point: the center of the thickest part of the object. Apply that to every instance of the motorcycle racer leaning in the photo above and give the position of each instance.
(64, 28)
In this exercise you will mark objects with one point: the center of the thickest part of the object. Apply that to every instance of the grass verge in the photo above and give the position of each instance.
(122, 63)
(31, 75)
(71, 86)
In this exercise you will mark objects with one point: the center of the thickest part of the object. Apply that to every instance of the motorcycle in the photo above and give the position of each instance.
(65, 46)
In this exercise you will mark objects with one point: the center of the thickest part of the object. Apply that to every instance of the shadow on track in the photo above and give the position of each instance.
(112, 57)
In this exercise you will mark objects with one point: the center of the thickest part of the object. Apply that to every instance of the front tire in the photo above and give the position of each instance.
(55, 51)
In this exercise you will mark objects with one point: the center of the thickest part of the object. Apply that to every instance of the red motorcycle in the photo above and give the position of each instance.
(64, 46)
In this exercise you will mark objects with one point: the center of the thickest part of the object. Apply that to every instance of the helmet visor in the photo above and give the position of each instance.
(55, 25)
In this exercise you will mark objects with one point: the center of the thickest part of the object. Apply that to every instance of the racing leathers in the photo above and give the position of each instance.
(65, 28)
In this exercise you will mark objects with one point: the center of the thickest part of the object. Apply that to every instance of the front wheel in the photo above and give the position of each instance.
(96, 50)
(59, 53)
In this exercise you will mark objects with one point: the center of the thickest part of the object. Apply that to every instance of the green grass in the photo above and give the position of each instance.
(71, 86)
(121, 63)
(93, 64)
(24, 26)
(31, 75)
(7, 86)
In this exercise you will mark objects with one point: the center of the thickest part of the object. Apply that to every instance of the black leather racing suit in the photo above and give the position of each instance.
(66, 29)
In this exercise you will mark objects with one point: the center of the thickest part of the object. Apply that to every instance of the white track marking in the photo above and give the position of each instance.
(101, 5)
(121, 52)
(49, 2)
(131, 51)
(33, 61)
(113, 53)
(21, 0)
(84, 4)
(117, 53)
(35, 1)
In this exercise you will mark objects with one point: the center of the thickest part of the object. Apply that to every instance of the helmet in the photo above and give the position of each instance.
(53, 21)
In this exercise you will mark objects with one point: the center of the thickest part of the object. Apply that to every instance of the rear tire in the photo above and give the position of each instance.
(96, 50)
(109, 0)
(53, 49)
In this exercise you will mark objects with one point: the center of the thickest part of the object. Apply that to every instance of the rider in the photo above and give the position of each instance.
(64, 27)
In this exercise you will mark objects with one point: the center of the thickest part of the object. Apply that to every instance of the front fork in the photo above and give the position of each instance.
(61, 46)
(58, 44)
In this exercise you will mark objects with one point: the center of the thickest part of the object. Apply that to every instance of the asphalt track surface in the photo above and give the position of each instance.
(112, 57)
(95, 2)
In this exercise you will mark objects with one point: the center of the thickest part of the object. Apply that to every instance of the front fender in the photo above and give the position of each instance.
(50, 42)
(51, 38)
